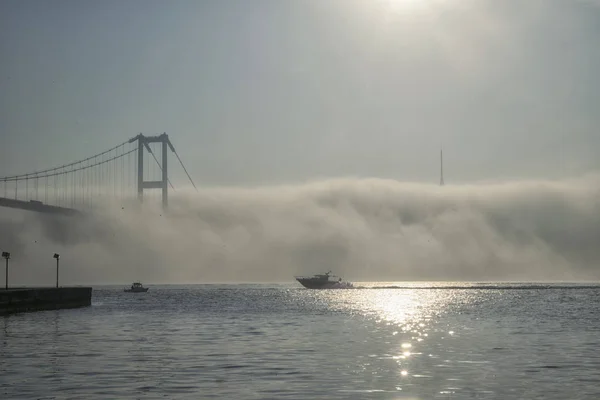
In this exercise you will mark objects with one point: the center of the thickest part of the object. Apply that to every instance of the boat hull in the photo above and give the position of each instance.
(136, 290)
(313, 284)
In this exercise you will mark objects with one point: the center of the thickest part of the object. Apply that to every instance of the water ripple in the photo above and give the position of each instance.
(264, 342)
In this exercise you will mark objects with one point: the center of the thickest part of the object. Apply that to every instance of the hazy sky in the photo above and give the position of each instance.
(271, 94)
(284, 91)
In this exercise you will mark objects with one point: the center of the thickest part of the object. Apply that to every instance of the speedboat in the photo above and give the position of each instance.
(323, 281)
(136, 287)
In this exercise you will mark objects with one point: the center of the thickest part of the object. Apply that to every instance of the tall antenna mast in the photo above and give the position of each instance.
(441, 168)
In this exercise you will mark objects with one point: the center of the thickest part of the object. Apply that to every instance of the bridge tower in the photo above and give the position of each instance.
(162, 184)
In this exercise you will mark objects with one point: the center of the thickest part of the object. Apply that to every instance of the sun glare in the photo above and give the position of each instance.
(406, 6)
(401, 5)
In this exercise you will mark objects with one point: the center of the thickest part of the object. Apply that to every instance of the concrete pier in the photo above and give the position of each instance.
(38, 299)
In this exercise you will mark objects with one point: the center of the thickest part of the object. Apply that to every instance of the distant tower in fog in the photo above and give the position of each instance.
(441, 168)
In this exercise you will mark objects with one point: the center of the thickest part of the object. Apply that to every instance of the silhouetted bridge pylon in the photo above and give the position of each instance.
(123, 172)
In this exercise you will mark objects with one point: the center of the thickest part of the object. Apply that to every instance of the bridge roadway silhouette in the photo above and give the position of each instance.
(125, 171)
(38, 206)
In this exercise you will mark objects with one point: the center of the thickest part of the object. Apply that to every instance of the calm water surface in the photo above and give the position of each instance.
(272, 342)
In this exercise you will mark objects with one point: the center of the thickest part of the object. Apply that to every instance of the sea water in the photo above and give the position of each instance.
(381, 341)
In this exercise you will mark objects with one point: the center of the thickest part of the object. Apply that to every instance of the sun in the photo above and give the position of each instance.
(402, 6)
(403, 3)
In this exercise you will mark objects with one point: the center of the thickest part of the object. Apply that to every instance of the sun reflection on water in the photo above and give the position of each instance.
(405, 319)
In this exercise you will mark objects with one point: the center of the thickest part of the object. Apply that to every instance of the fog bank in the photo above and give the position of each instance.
(362, 229)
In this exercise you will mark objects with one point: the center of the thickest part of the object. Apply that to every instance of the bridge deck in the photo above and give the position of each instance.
(38, 206)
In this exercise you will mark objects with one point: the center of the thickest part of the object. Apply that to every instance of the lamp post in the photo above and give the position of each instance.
(6, 256)
(57, 256)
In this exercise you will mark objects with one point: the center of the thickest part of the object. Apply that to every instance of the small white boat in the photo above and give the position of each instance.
(323, 281)
(136, 287)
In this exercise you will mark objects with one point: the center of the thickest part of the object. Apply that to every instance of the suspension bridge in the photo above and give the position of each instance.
(120, 174)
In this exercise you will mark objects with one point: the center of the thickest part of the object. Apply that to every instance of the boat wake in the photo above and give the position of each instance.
(482, 287)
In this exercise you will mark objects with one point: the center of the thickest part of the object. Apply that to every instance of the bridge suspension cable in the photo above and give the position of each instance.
(183, 166)
(35, 175)
(78, 184)
(65, 165)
